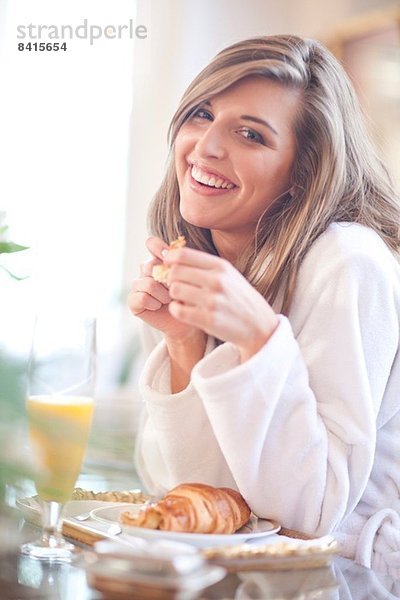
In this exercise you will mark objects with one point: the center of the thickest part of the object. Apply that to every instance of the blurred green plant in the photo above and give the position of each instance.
(12, 391)
(7, 246)
(12, 410)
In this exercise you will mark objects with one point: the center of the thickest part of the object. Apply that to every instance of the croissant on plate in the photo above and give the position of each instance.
(194, 508)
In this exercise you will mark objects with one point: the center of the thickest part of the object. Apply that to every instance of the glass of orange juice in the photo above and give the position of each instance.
(59, 406)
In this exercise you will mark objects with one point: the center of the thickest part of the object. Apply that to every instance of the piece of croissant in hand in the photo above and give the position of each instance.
(194, 508)
(160, 272)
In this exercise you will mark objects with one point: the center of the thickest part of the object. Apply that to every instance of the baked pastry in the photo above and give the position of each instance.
(160, 272)
(194, 508)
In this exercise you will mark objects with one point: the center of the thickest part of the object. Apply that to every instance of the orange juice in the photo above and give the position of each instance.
(59, 428)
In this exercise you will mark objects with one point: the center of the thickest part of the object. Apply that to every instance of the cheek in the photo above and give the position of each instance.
(254, 173)
(181, 153)
(273, 174)
(183, 143)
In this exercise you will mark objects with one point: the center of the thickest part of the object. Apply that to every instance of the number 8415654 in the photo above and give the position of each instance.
(42, 46)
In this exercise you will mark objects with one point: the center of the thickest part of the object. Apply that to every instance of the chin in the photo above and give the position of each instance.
(194, 218)
(197, 222)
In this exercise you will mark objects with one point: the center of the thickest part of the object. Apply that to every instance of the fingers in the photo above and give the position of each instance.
(209, 281)
(186, 293)
(195, 306)
(155, 245)
(199, 269)
(186, 274)
(149, 286)
(191, 315)
(139, 302)
(181, 312)
(147, 294)
(204, 298)
(146, 268)
(195, 258)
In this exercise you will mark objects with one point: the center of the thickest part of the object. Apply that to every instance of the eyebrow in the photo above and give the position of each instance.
(252, 119)
(260, 122)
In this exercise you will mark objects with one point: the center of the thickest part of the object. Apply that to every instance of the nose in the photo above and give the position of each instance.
(212, 142)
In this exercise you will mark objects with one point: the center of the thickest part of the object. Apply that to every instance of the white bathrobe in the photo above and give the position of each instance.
(308, 429)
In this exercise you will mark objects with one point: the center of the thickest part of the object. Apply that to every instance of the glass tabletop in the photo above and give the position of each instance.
(25, 578)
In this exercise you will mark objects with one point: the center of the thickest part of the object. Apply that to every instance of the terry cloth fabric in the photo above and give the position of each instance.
(308, 429)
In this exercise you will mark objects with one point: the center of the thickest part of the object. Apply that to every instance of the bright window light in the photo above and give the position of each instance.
(65, 126)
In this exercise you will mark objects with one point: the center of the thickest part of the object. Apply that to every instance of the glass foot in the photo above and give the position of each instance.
(51, 550)
(51, 546)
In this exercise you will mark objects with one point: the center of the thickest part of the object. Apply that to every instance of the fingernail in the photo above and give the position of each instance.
(164, 253)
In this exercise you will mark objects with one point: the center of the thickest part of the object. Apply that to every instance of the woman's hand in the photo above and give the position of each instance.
(149, 299)
(210, 294)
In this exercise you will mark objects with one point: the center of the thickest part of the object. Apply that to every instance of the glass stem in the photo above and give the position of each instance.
(51, 521)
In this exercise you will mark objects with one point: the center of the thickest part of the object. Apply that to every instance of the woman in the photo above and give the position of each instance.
(273, 364)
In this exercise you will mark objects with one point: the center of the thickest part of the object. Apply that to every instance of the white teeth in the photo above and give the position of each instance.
(204, 179)
(210, 180)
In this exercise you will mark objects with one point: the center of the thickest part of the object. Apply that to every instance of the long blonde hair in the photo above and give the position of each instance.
(336, 175)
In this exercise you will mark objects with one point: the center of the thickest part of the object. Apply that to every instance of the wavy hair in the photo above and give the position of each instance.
(337, 175)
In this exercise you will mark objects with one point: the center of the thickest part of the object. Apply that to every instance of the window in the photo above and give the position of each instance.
(64, 118)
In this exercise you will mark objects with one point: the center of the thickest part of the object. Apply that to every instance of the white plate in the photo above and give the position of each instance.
(254, 528)
(32, 511)
(110, 514)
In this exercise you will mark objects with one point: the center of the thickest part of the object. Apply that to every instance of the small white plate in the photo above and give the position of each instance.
(110, 514)
(254, 528)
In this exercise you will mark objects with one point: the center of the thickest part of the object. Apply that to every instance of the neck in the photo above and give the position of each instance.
(229, 245)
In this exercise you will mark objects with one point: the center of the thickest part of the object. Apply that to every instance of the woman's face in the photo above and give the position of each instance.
(234, 156)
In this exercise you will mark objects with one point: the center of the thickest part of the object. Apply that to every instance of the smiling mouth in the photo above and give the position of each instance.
(209, 179)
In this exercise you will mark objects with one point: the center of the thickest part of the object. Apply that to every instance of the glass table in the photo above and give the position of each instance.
(24, 578)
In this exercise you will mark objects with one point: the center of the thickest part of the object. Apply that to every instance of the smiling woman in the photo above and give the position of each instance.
(239, 159)
(273, 363)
